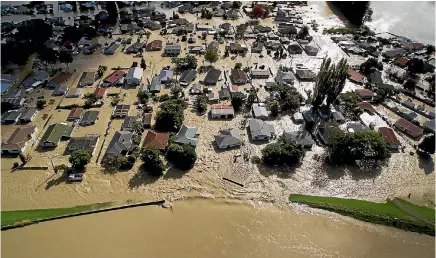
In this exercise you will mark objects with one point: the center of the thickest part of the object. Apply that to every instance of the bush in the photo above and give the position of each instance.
(80, 158)
(238, 100)
(201, 103)
(238, 65)
(164, 98)
(182, 156)
(274, 109)
(255, 160)
(153, 162)
(15, 165)
(283, 152)
(41, 103)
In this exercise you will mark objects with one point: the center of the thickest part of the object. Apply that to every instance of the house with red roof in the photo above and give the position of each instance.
(390, 137)
(367, 107)
(356, 77)
(155, 45)
(409, 128)
(364, 94)
(155, 140)
(100, 92)
(114, 77)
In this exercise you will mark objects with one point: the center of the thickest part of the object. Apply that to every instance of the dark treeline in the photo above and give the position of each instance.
(356, 12)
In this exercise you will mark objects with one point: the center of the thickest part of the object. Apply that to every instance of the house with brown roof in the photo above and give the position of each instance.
(364, 94)
(75, 114)
(87, 79)
(239, 76)
(17, 141)
(155, 45)
(100, 92)
(390, 137)
(401, 61)
(305, 75)
(222, 111)
(408, 128)
(155, 140)
(59, 79)
(356, 76)
(366, 106)
(114, 77)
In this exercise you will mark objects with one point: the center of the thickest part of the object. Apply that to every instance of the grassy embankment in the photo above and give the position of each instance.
(387, 213)
(22, 217)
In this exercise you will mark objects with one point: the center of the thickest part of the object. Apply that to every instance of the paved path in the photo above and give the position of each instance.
(411, 212)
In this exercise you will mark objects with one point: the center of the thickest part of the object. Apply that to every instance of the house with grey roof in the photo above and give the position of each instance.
(187, 77)
(11, 117)
(165, 75)
(87, 143)
(260, 74)
(284, 78)
(54, 134)
(60, 90)
(212, 76)
(89, 118)
(302, 138)
(257, 47)
(120, 144)
(187, 135)
(260, 130)
(228, 138)
(128, 123)
(259, 111)
(224, 93)
(338, 117)
(172, 49)
(155, 84)
(311, 50)
(27, 114)
(14, 102)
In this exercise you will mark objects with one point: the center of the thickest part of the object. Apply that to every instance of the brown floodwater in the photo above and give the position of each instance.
(213, 228)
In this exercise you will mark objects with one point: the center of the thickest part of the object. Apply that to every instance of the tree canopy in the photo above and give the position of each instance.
(303, 33)
(428, 144)
(283, 152)
(80, 158)
(290, 98)
(65, 57)
(238, 100)
(371, 63)
(182, 156)
(182, 63)
(152, 161)
(201, 103)
(211, 56)
(170, 116)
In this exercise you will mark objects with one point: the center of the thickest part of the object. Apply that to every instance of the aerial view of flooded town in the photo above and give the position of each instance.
(217, 129)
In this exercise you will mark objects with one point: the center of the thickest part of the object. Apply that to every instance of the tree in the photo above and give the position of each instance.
(303, 33)
(274, 107)
(176, 91)
(183, 63)
(427, 144)
(410, 84)
(80, 158)
(143, 65)
(211, 56)
(258, 11)
(40, 103)
(339, 76)
(238, 65)
(90, 99)
(347, 148)
(415, 65)
(153, 162)
(182, 156)
(283, 152)
(237, 5)
(290, 98)
(143, 96)
(170, 116)
(238, 100)
(252, 97)
(430, 49)
(367, 67)
(356, 12)
(65, 57)
(47, 55)
(72, 33)
(350, 100)
(201, 103)
(206, 14)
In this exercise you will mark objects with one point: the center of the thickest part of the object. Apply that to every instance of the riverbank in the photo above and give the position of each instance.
(389, 213)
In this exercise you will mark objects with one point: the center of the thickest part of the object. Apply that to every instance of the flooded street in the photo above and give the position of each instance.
(205, 228)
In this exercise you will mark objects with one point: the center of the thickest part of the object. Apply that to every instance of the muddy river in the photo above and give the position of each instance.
(206, 228)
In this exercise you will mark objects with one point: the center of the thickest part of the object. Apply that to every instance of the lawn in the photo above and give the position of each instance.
(20, 216)
(429, 213)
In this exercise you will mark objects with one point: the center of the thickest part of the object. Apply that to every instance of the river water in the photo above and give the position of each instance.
(206, 228)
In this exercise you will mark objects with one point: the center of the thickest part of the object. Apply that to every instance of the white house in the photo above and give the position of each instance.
(134, 76)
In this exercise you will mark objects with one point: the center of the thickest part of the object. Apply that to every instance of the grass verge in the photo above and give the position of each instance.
(22, 217)
(429, 213)
(379, 213)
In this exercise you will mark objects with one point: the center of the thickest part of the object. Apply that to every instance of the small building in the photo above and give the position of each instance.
(17, 142)
(187, 135)
(354, 127)
(59, 79)
(155, 45)
(155, 84)
(134, 48)
(87, 79)
(302, 138)
(298, 117)
(338, 117)
(390, 137)
(408, 128)
(202, 27)
(114, 77)
(260, 74)
(112, 48)
(196, 89)
(13, 102)
(284, 78)
(257, 47)
(121, 111)
(100, 93)
(134, 76)
(75, 114)
(222, 111)
(308, 117)
(212, 77)
(27, 114)
(172, 49)
(187, 77)
(87, 143)
(224, 93)
(364, 94)
(155, 140)
(401, 61)
(429, 126)
(60, 90)
(213, 46)
(11, 117)
(356, 77)
(284, 40)
(146, 120)
(393, 53)
(120, 144)
(74, 93)
(165, 75)
(310, 50)
(260, 130)
(259, 111)
(228, 138)
(294, 48)
(305, 75)
(54, 134)
(89, 118)
(128, 123)
(239, 76)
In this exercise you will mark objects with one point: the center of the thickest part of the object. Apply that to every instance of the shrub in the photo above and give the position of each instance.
(170, 116)
(15, 165)
(182, 156)
(80, 158)
(153, 162)
(255, 160)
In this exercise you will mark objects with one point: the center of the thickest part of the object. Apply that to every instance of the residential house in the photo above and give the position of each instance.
(89, 118)
(187, 77)
(364, 94)
(298, 118)
(284, 78)
(212, 77)
(114, 77)
(302, 138)
(155, 140)
(401, 61)
(151, 25)
(355, 77)
(134, 48)
(284, 40)
(260, 130)
(134, 76)
(260, 74)
(155, 45)
(408, 128)
(393, 53)
(202, 27)
(197, 49)
(239, 76)
(155, 84)
(259, 111)
(294, 48)
(120, 144)
(257, 47)
(128, 123)
(430, 125)
(187, 135)
(87, 143)
(273, 36)
(367, 107)
(60, 90)
(35, 79)
(11, 117)
(54, 134)
(121, 111)
(112, 48)
(100, 93)
(165, 75)
(17, 142)
(75, 114)
(375, 78)
(390, 137)
(311, 50)
(224, 93)
(59, 79)
(27, 114)
(356, 127)
(305, 75)
(213, 46)
(13, 102)
(228, 138)
(87, 79)
(172, 49)
(222, 111)
(146, 120)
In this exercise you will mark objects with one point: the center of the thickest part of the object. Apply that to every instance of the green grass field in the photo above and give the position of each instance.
(23, 216)
(429, 213)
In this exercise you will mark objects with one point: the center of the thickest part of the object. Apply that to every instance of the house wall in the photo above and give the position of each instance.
(48, 144)
(228, 146)
(261, 76)
(260, 137)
